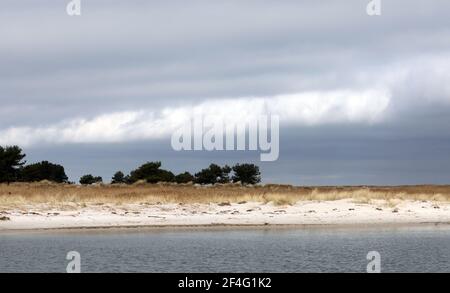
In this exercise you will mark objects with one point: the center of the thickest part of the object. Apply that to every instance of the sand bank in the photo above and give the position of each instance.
(339, 213)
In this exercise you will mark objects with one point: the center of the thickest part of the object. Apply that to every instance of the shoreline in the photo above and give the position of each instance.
(305, 214)
(223, 227)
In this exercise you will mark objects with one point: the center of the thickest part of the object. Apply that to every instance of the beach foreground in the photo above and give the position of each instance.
(33, 207)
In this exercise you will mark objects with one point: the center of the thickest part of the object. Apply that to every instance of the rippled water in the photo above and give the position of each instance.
(424, 249)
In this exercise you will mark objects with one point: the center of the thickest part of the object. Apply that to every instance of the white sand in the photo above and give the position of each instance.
(342, 212)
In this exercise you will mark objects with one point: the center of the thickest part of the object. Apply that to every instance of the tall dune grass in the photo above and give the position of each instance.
(48, 193)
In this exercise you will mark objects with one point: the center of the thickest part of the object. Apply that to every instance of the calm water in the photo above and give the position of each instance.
(283, 250)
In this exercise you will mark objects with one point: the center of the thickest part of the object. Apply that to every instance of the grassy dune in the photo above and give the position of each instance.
(59, 194)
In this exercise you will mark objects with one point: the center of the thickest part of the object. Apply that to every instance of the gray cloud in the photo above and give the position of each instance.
(121, 57)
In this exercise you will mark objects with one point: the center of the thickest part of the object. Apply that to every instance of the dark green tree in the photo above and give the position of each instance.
(161, 176)
(184, 178)
(10, 163)
(89, 179)
(43, 171)
(246, 174)
(213, 174)
(151, 173)
(225, 176)
(118, 178)
(127, 179)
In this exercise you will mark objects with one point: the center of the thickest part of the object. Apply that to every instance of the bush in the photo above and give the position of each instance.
(151, 173)
(246, 174)
(89, 179)
(213, 174)
(10, 163)
(184, 178)
(161, 176)
(43, 171)
(118, 178)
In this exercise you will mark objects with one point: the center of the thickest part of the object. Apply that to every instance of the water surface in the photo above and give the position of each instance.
(420, 249)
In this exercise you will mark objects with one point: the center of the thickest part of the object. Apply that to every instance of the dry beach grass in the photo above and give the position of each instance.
(18, 194)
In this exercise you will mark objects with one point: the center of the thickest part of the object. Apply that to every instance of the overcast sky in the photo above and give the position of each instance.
(361, 99)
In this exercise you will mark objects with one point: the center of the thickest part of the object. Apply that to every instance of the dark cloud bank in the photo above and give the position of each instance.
(59, 74)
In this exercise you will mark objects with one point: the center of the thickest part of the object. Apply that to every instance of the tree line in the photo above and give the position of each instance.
(13, 168)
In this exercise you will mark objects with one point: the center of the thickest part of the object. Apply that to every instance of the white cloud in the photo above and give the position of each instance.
(303, 109)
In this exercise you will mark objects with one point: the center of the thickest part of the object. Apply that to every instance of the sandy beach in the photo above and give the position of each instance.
(339, 212)
(58, 206)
